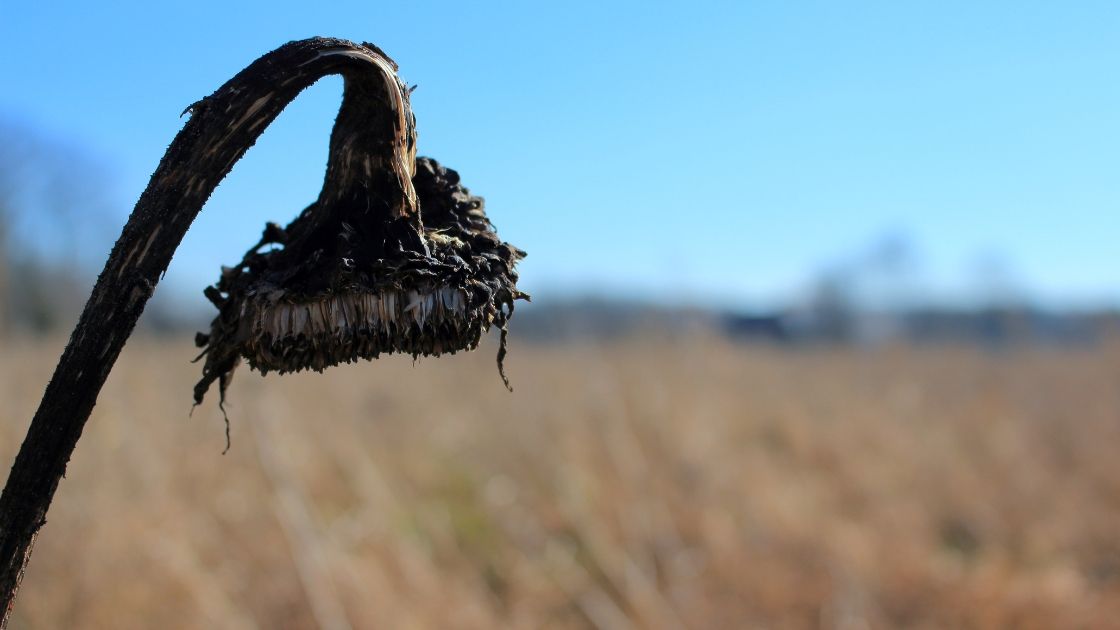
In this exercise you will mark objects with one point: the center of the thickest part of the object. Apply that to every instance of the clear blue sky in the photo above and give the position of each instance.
(702, 150)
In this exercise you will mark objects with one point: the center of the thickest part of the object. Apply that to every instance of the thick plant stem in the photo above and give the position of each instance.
(222, 127)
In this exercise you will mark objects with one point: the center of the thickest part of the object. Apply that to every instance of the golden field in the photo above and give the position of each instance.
(656, 483)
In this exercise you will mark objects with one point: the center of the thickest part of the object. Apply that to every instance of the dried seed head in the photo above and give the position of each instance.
(359, 273)
(354, 291)
(289, 309)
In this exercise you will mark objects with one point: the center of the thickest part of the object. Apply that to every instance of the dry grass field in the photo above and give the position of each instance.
(649, 484)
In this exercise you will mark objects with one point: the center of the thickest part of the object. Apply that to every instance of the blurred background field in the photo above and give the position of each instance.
(661, 481)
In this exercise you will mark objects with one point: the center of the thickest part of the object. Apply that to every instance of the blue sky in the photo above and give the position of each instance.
(722, 152)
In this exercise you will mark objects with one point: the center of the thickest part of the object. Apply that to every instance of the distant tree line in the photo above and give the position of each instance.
(54, 222)
(57, 222)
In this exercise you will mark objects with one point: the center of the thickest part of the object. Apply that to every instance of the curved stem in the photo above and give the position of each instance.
(222, 127)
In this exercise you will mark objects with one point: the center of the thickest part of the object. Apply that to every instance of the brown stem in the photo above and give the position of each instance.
(222, 127)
